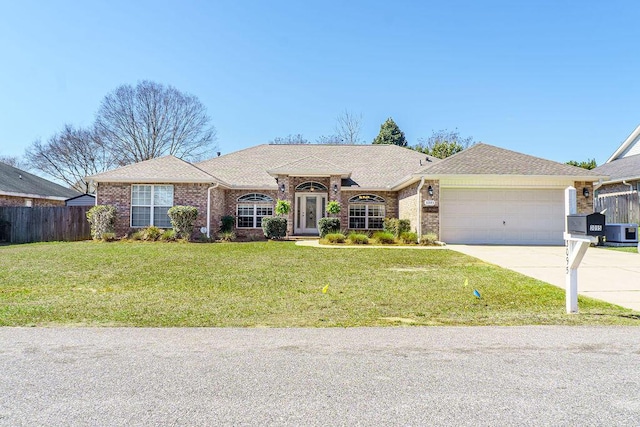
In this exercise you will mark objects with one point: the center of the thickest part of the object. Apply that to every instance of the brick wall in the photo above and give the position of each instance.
(20, 201)
(431, 214)
(584, 204)
(408, 205)
(119, 195)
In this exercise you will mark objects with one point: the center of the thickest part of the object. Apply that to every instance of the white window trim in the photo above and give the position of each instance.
(255, 205)
(151, 206)
(366, 215)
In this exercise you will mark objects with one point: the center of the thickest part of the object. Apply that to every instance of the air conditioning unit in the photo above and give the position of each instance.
(621, 233)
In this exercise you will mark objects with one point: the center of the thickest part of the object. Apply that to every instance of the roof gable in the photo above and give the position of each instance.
(629, 147)
(484, 159)
(157, 170)
(18, 182)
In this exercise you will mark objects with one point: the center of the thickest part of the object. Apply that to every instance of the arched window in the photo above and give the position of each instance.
(252, 208)
(366, 212)
(311, 186)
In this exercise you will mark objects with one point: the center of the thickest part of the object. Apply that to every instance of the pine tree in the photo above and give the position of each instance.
(390, 133)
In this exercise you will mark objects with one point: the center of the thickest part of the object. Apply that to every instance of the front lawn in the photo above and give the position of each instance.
(275, 284)
(630, 249)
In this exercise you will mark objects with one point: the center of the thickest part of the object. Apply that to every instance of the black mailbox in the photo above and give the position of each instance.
(589, 225)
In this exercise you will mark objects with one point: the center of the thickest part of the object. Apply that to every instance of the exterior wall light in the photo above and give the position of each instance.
(430, 191)
(585, 192)
(335, 188)
(282, 187)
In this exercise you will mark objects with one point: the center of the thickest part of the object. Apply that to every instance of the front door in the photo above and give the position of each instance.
(310, 207)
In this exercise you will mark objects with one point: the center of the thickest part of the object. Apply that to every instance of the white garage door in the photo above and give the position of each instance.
(507, 217)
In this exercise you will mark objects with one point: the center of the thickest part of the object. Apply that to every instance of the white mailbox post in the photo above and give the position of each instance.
(577, 245)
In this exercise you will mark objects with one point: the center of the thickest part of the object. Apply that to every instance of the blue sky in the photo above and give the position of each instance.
(556, 79)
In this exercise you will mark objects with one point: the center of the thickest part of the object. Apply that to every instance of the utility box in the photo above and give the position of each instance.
(586, 224)
(622, 233)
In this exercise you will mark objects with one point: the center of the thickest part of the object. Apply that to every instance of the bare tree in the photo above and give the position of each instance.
(290, 139)
(348, 127)
(151, 120)
(329, 139)
(14, 161)
(71, 155)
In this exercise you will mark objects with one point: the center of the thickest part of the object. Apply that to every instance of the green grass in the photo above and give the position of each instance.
(630, 249)
(275, 284)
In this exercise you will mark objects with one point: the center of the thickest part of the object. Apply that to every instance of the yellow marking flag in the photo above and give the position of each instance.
(325, 289)
(466, 282)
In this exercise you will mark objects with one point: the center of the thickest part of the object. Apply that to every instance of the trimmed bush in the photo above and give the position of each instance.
(102, 219)
(136, 235)
(182, 219)
(429, 239)
(328, 225)
(409, 237)
(396, 226)
(108, 237)
(274, 227)
(358, 238)
(384, 238)
(335, 238)
(228, 221)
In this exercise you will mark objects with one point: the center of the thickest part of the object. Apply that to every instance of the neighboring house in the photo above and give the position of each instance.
(483, 194)
(619, 193)
(81, 200)
(20, 188)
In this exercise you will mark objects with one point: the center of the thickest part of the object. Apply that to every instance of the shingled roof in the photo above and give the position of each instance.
(621, 169)
(484, 159)
(159, 170)
(16, 182)
(370, 166)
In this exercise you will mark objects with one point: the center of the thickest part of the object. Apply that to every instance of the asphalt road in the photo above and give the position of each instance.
(318, 377)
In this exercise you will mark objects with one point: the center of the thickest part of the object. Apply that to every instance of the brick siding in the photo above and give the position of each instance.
(20, 201)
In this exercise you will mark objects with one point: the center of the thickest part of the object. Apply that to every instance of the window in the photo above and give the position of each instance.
(149, 205)
(28, 203)
(366, 211)
(252, 208)
(311, 186)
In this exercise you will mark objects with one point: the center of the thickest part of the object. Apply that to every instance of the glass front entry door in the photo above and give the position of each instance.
(309, 209)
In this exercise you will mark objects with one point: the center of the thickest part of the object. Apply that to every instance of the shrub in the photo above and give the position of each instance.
(333, 207)
(409, 237)
(108, 237)
(168, 236)
(396, 226)
(228, 221)
(274, 227)
(282, 207)
(136, 235)
(227, 236)
(335, 238)
(429, 239)
(384, 238)
(328, 225)
(358, 238)
(182, 219)
(102, 219)
(151, 233)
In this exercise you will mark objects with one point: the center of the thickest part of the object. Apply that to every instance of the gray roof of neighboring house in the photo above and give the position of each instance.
(621, 169)
(17, 182)
(371, 166)
(484, 159)
(159, 170)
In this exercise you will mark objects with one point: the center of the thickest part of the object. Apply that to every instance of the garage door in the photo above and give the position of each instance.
(507, 217)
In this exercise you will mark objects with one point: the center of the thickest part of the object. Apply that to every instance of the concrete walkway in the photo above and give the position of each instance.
(604, 274)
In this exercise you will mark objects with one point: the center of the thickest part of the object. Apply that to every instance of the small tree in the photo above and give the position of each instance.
(102, 219)
(390, 133)
(182, 219)
(443, 143)
(589, 164)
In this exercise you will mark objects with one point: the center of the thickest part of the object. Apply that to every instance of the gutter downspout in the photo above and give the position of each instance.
(209, 208)
(419, 194)
(630, 185)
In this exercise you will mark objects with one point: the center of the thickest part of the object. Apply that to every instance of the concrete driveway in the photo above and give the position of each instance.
(604, 274)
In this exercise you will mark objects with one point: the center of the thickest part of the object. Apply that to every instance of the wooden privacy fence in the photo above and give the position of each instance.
(621, 207)
(44, 224)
